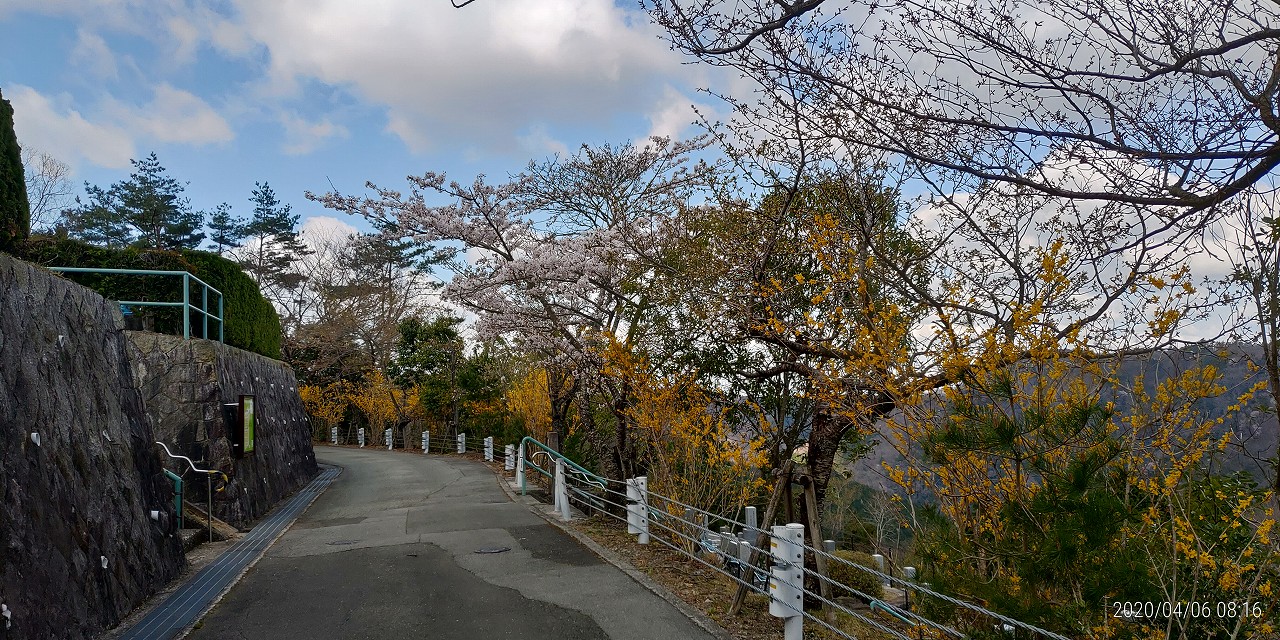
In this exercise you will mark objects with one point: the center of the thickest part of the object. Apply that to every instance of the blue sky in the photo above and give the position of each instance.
(307, 93)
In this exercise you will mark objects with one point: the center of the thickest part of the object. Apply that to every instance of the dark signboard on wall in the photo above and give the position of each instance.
(241, 426)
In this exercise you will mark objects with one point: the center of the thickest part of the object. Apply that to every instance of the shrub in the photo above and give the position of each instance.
(15, 214)
(251, 321)
(854, 577)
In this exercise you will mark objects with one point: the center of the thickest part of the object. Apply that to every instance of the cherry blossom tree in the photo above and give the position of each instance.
(556, 258)
(972, 92)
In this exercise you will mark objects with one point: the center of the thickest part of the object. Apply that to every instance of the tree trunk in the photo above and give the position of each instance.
(562, 389)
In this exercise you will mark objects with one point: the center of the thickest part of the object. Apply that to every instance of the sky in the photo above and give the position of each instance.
(323, 94)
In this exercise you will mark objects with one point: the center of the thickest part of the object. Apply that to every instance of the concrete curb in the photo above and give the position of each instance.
(697, 617)
(178, 613)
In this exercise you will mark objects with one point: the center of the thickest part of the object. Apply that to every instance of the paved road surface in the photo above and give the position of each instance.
(389, 552)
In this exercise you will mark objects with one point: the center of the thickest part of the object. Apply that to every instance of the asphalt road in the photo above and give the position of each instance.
(390, 551)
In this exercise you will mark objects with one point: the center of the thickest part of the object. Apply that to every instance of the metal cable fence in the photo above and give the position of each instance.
(737, 552)
(761, 559)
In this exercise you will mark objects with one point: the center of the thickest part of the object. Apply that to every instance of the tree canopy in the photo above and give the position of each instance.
(147, 210)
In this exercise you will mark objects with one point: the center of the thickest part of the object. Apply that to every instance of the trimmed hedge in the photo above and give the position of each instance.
(15, 212)
(251, 320)
(854, 578)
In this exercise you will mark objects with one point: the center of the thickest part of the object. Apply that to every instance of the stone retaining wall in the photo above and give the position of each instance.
(98, 398)
(185, 381)
(82, 497)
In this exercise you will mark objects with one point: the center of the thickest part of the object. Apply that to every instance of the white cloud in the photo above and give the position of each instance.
(173, 115)
(184, 39)
(303, 136)
(673, 115)
(59, 130)
(108, 137)
(481, 76)
(91, 52)
(317, 230)
(497, 76)
(537, 141)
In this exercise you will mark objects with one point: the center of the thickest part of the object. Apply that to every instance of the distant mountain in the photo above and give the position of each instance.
(1255, 428)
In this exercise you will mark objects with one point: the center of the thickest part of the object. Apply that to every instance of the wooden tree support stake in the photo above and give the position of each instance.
(784, 480)
(815, 537)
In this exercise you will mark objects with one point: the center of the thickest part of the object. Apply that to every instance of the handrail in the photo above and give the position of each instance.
(208, 485)
(597, 480)
(189, 462)
(187, 278)
(177, 495)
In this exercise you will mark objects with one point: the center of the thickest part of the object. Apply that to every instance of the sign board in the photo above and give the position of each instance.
(241, 424)
(246, 424)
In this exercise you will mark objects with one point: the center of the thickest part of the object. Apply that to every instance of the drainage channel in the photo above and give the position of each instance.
(186, 605)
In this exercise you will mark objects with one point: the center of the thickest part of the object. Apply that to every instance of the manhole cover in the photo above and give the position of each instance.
(493, 549)
(341, 542)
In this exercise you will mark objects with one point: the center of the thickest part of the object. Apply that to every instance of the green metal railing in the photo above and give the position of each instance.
(177, 495)
(528, 459)
(203, 309)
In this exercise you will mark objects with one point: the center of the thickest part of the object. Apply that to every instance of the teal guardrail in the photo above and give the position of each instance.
(188, 306)
(177, 495)
(528, 460)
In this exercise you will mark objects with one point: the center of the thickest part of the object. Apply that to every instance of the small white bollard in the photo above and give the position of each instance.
(333, 435)
(488, 449)
(509, 458)
(555, 487)
(562, 491)
(462, 443)
(751, 533)
(642, 487)
(520, 467)
(360, 436)
(879, 560)
(786, 581)
(386, 437)
(426, 441)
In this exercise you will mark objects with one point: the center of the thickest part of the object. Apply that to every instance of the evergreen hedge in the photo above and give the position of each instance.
(854, 578)
(15, 211)
(251, 320)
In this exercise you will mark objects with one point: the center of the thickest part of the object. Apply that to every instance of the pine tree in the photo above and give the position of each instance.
(274, 244)
(146, 210)
(15, 211)
(98, 221)
(225, 231)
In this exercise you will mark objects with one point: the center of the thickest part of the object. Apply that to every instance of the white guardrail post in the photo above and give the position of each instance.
(520, 467)
(751, 535)
(462, 443)
(426, 442)
(786, 582)
(637, 508)
(509, 457)
(333, 435)
(360, 436)
(386, 437)
(562, 491)
(488, 449)
(633, 507)
(879, 560)
(642, 483)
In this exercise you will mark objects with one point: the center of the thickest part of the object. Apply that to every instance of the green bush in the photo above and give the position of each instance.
(251, 321)
(853, 577)
(15, 214)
